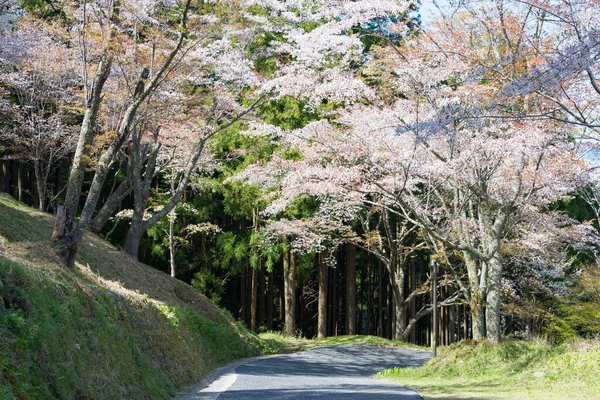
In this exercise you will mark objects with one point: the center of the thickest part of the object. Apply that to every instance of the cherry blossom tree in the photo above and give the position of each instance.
(41, 95)
(126, 51)
(432, 155)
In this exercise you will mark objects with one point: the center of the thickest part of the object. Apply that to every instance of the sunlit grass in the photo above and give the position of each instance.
(511, 370)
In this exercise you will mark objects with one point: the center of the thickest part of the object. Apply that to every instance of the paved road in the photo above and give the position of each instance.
(332, 373)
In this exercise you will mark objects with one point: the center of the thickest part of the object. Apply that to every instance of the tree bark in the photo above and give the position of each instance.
(350, 289)
(109, 207)
(323, 286)
(20, 181)
(493, 313)
(5, 182)
(434, 339)
(172, 245)
(60, 223)
(254, 300)
(86, 136)
(261, 295)
(270, 292)
(289, 280)
(476, 296)
(40, 184)
(380, 300)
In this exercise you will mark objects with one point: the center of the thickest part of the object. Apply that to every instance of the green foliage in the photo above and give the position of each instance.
(232, 248)
(579, 314)
(45, 9)
(209, 285)
(287, 113)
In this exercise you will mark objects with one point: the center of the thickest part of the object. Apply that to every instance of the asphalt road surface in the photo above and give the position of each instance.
(332, 373)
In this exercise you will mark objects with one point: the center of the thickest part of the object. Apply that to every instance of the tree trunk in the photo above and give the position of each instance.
(40, 184)
(60, 223)
(243, 310)
(5, 182)
(289, 288)
(390, 314)
(134, 236)
(254, 299)
(323, 286)
(86, 136)
(434, 295)
(492, 311)
(477, 296)
(261, 295)
(109, 207)
(20, 181)
(380, 300)
(270, 293)
(70, 241)
(350, 289)
(172, 245)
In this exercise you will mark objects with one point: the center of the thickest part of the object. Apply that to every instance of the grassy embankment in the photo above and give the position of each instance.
(283, 344)
(113, 328)
(511, 370)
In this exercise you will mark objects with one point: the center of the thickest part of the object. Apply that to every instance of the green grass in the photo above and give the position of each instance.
(112, 328)
(279, 343)
(511, 370)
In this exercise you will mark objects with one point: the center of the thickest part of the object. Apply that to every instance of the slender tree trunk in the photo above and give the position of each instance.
(172, 245)
(434, 295)
(289, 281)
(390, 313)
(261, 295)
(5, 182)
(380, 300)
(270, 293)
(254, 299)
(20, 181)
(361, 309)
(370, 285)
(40, 184)
(350, 289)
(332, 331)
(323, 286)
(243, 310)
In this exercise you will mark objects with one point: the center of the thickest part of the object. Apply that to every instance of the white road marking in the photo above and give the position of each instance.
(220, 385)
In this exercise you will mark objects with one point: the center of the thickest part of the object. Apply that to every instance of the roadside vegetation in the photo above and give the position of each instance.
(286, 344)
(111, 328)
(514, 369)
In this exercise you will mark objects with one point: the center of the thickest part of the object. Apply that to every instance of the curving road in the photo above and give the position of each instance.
(332, 373)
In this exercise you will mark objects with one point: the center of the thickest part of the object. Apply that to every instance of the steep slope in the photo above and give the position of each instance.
(113, 328)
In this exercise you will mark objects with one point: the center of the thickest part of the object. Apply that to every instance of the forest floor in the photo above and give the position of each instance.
(514, 369)
(110, 328)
